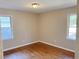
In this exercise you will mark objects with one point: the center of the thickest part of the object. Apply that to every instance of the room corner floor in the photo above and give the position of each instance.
(38, 51)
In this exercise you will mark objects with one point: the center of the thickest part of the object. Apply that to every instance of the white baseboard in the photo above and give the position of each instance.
(42, 42)
(57, 46)
(19, 46)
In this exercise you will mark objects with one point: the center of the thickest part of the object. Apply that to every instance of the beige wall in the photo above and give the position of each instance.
(50, 27)
(77, 42)
(1, 54)
(53, 28)
(1, 46)
(24, 28)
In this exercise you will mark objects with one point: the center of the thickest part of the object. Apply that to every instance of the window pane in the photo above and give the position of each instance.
(73, 21)
(6, 31)
(72, 27)
(72, 33)
(5, 21)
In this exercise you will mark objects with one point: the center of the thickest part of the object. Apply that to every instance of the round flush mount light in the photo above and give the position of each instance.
(35, 5)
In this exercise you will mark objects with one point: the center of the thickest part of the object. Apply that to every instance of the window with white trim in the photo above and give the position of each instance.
(72, 27)
(6, 27)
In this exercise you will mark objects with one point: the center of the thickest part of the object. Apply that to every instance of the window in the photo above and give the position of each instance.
(72, 20)
(6, 28)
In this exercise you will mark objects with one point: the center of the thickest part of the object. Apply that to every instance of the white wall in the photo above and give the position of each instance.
(53, 28)
(24, 28)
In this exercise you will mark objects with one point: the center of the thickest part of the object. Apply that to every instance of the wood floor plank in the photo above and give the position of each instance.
(38, 51)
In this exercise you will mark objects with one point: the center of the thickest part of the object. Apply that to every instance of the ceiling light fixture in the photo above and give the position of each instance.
(35, 5)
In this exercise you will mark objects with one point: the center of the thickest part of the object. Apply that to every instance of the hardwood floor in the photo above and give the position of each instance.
(38, 51)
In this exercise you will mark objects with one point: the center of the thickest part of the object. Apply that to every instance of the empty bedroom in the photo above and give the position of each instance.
(38, 29)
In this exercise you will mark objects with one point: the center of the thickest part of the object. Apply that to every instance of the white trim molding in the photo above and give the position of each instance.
(41, 42)
(57, 46)
(20, 46)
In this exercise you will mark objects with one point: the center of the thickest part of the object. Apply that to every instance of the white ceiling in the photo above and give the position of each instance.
(45, 5)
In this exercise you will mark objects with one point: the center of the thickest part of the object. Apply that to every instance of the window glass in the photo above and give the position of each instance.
(72, 20)
(6, 29)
